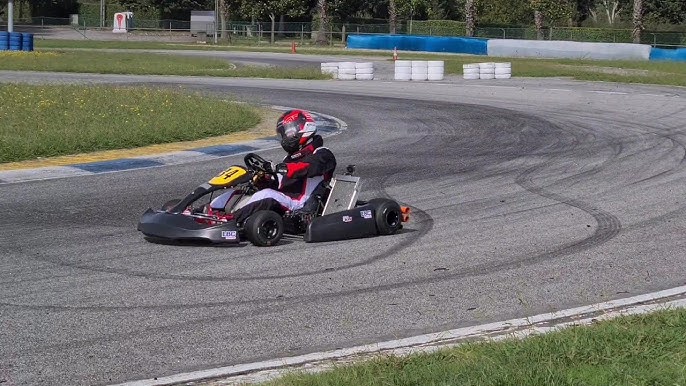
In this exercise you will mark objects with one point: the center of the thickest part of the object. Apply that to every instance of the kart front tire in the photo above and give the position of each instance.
(388, 216)
(264, 228)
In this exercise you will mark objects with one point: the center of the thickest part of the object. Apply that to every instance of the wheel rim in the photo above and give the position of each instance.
(269, 230)
(392, 218)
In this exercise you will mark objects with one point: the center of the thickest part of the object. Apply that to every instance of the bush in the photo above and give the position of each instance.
(437, 28)
(591, 35)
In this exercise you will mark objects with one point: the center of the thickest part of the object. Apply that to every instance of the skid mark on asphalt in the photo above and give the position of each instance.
(117, 165)
(421, 219)
(608, 225)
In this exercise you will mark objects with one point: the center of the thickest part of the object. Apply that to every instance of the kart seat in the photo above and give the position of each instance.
(343, 194)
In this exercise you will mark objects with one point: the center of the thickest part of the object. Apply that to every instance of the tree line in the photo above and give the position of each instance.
(635, 14)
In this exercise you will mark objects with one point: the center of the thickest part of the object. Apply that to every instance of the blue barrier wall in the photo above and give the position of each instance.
(476, 46)
(675, 55)
(472, 46)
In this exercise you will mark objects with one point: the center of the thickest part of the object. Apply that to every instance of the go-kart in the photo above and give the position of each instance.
(333, 212)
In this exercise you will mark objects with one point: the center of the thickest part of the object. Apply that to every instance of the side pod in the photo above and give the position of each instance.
(348, 224)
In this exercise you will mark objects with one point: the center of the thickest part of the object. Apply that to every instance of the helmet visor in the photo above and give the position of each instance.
(288, 130)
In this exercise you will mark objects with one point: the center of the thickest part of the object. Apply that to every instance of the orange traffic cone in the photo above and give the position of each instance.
(292, 47)
(395, 53)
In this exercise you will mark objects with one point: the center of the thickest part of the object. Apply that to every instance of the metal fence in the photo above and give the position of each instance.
(262, 31)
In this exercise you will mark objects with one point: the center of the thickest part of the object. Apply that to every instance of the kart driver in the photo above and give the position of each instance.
(306, 166)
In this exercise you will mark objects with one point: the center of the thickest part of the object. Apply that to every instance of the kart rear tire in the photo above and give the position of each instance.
(170, 204)
(264, 228)
(388, 216)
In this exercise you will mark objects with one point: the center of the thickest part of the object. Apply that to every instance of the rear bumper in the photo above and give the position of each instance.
(176, 226)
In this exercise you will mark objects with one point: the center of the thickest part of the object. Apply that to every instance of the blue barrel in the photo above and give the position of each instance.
(15, 41)
(4, 41)
(26, 42)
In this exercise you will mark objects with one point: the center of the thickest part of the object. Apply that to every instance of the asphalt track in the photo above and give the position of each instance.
(529, 196)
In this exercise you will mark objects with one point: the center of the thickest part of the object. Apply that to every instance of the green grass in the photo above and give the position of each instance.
(662, 73)
(238, 45)
(282, 47)
(640, 350)
(45, 121)
(142, 64)
(646, 72)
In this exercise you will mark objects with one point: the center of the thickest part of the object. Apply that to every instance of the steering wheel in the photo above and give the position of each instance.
(256, 163)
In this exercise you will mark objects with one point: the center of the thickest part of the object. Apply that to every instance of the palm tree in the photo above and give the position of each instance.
(392, 16)
(638, 21)
(538, 21)
(322, 39)
(224, 17)
(470, 15)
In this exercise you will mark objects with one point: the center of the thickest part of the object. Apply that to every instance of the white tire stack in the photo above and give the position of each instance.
(503, 70)
(420, 70)
(330, 68)
(403, 70)
(487, 70)
(470, 71)
(364, 71)
(435, 70)
(349, 70)
(346, 70)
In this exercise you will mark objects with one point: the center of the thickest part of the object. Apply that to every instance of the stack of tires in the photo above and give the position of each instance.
(15, 41)
(436, 69)
(487, 70)
(349, 70)
(364, 71)
(470, 71)
(346, 70)
(419, 70)
(4, 41)
(330, 68)
(403, 70)
(503, 70)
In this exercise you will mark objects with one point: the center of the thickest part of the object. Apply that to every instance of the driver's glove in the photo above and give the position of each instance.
(281, 168)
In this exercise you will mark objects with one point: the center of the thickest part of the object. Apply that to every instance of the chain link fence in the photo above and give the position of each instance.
(336, 33)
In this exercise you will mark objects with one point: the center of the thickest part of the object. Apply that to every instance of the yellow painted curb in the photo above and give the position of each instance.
(266, 128)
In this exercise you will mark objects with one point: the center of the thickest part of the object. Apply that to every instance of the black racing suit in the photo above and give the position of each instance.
(307, 170)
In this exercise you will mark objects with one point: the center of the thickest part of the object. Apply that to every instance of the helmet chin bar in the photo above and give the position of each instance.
(290, 145)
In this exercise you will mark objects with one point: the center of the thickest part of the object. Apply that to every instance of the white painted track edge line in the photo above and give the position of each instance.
(501, 328)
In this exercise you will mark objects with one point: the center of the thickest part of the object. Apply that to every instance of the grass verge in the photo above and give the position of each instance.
(47, 121)
(646, 349)
(284, 47)
(142, 64)
(645, 72)
(662, 73)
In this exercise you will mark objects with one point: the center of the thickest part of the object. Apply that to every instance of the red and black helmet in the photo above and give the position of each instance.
(295, 128)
